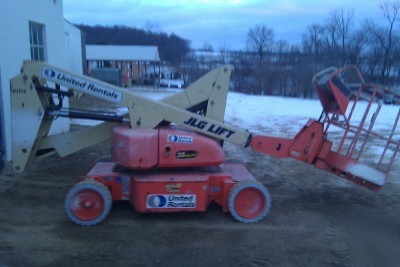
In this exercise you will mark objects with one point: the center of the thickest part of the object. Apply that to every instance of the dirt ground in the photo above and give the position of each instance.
(306, 226)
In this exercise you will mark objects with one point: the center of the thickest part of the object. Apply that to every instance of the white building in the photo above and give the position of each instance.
(34, 30)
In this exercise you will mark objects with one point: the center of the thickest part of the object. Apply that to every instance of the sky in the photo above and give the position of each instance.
(217, 22)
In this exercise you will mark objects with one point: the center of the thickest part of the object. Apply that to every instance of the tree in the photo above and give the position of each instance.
(390, 11)
(260, 39)
(224, 51)
(340, 22)
(152, 27)
(355, 46)
(207, 47)
(277, 68)
(314, 38)
(386, 36)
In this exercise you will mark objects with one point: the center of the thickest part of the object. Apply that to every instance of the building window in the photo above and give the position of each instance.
(36, 38)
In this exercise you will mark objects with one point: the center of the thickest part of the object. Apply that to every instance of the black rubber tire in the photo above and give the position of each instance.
(90, 185)
(239, 187)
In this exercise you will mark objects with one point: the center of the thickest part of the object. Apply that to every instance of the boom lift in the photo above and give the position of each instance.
(167, 155)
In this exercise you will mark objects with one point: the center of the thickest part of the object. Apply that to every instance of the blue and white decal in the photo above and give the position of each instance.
(171, 201)
(172, 138)
(84, 85)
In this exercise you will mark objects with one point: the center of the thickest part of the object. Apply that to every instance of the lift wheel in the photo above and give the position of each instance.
(88, 202)
(249, 201)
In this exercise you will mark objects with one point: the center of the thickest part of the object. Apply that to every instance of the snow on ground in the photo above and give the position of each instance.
(270, 115)
(280, 114)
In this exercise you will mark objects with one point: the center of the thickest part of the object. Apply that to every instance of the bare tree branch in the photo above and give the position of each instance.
(260, 39)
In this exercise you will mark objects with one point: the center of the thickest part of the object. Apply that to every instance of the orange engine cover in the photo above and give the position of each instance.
(183, 148)
(135, 148)
(164, 147)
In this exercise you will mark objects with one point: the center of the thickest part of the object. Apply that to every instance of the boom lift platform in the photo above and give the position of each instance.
(167, 155)
(347, 158)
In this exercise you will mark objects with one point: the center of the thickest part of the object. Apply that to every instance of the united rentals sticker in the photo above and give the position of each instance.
(172, 138)
(171, 201)
(82, 85)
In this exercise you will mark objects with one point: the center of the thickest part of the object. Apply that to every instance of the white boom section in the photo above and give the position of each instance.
(31, 122)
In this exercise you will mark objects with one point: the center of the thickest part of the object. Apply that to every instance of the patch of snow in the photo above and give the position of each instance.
(367, 173)
(154, 93)
(172, 83)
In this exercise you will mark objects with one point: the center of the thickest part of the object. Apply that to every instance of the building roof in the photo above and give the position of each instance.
(122, 52)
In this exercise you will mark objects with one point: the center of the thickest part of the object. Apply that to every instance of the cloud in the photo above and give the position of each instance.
(214, 21)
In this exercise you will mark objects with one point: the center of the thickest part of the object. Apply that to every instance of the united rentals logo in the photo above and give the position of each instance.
(49, 73)
(81, 85)
(180, 139)
(171, 201)
(156, 201)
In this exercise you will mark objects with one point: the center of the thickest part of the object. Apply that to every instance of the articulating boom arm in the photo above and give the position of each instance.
(200, 107)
